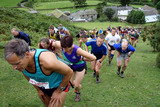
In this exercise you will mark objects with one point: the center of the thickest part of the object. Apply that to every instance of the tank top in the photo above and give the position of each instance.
(39, 78)
(73, 58)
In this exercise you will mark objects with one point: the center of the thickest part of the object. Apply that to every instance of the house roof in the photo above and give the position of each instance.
(149, 10)
(57, 13)
(84, 12)
(119, 8)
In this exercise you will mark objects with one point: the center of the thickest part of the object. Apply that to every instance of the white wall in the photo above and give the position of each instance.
(152, 18)
(123, 12)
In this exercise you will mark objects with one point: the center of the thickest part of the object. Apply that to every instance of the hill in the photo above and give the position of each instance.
(9, 3)
(36, 25)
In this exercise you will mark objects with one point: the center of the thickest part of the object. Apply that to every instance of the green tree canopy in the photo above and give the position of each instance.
(79, 3)
(109, 13)
(124, 2)
(136, 17)
(152, 33)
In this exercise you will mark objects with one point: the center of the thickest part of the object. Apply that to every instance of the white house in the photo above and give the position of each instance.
(123, 12)
(120, 12)
(84, 15)
(151, 14)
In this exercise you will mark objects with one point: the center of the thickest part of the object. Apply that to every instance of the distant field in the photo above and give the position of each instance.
(103, 25)
(65, 4)
(51, 5)
(9, 3)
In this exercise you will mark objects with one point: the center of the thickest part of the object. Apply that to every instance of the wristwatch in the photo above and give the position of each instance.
(100, 61)
(62, 88)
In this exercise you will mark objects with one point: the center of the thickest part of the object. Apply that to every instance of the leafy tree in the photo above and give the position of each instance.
(124, 2)
(136, 17)
(100, 7)
(152, 34)
(109, 13)
(158, 5)
(155, 1)
(79, 3)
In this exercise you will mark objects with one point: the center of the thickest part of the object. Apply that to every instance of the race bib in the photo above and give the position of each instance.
(39, 84)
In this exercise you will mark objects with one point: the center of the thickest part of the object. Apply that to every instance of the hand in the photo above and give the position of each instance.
(57, 98)
(80, 41)
(128, 59)
(45, 99)
(109, 48)
(99, 63)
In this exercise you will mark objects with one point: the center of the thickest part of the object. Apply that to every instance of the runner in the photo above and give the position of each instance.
(111, 39)
(51, 45)
(99, 49)
(53, 33)
(41, 68)
(21, 35)
(125, 50)
(75, 55)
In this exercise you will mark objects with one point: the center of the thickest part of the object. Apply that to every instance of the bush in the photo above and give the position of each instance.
(136, 17)
(152, 34)
(158, 5)
(115, 19)
(36, 25)
(109, 13)
(158, 60)
(103, 18)
(99, 9)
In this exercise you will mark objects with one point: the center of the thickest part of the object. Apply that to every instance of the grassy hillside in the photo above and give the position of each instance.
(9, 3)
(139, 88)
(36, 25)
(104, 25)
(60, 4)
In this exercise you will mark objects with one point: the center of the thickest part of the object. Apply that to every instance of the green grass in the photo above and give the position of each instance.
(60, 4)
(72, 10)
(9, 3)
(65, 4)
(104, 25)
(139, 88)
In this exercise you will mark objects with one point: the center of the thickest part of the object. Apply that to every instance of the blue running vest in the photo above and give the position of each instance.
(39, 78)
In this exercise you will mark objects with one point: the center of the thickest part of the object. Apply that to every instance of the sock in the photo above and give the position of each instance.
(97, 76)
(119, 68)
(111, 56)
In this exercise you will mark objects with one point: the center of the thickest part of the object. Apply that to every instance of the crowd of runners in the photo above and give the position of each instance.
(58, 64)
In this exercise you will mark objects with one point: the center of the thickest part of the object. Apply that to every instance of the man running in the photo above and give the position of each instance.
(53, 33)
(99, 49)
(41, 68)
(75, 55)
(111, 39)
(125, 50)
(51, 45)
(21, 35)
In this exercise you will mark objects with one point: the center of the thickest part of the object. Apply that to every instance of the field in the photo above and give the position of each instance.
(9, 3)
(139, 88)
(69, 6)
(104, 25)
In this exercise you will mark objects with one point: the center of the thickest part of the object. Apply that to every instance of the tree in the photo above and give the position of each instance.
(99, 9)
(136, 17)
(124, 2)
(109, 13)
(155, 1)
(79, 3)
(158, 5)
(152, 34)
